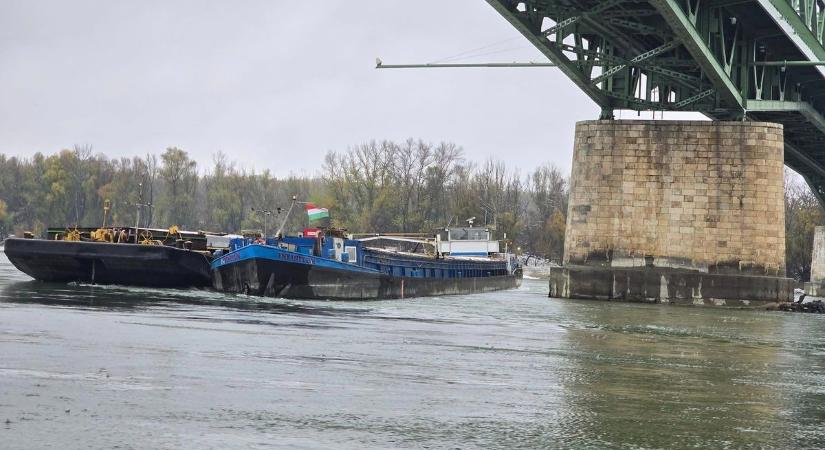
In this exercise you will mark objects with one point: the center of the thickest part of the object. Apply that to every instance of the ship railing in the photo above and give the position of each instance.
(417, 268)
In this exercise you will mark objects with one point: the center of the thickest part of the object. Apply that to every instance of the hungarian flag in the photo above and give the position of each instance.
(315, 214)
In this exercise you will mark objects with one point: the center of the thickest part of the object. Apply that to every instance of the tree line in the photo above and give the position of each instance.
(377, 186)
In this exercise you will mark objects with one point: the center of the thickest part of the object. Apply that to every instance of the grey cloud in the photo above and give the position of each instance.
(273, 84)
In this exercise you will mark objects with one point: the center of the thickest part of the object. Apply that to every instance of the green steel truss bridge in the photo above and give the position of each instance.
(728, 59)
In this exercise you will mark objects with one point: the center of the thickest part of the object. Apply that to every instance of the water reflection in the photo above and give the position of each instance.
(695, 377)
(128, 298)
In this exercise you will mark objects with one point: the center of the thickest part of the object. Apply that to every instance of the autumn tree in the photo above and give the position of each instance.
(5, 220)
(225, 199)
(180, 179)
(546, 214)
(802, 214)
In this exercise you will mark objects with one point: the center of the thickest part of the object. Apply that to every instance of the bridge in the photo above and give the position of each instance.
(756, 60)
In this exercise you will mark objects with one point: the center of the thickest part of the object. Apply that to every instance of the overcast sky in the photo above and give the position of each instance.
(274, 84)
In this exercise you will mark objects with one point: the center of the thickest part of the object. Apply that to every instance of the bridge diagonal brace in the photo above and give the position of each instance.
(667, 46)
(694, 98)
(728, 48)
(654, 66)
(675, 75)
(758, 74)
(808, 41)
(572, 20)
(693, 10)
(686, 32)
(633, 25)
(635, 13)
(562, 25)
(638, 101)
(552, 52)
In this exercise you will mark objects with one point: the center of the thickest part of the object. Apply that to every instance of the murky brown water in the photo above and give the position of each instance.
(105, 367)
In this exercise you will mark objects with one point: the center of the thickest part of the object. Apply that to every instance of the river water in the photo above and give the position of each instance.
(111, 367)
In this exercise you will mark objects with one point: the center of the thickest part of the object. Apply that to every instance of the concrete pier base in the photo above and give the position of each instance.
(676, 211)
(663, 285)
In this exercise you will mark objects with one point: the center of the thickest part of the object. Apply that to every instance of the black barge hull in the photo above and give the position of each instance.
(271, 278)
(106, 263)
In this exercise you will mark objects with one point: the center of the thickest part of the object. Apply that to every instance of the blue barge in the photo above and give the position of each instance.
(323, 264)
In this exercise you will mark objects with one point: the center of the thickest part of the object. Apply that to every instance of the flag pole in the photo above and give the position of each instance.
(309, 223)
(283, 223)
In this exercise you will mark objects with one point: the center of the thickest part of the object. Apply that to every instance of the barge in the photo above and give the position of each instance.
(327, 264)
(124, 256)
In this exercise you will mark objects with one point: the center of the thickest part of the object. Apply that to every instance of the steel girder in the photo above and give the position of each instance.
(693, 55)
(633, 54)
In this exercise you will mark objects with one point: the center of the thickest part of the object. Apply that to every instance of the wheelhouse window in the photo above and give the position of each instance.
(469, 234)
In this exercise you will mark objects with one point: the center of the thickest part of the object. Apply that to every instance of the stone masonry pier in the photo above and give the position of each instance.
(816, 286)
(676, 211)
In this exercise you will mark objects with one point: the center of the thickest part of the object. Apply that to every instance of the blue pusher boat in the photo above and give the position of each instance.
(325, 263)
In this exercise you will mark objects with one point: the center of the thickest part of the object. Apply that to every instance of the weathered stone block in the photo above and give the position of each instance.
(673, 190)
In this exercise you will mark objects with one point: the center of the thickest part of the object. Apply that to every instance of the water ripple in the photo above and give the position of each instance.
(116, 366)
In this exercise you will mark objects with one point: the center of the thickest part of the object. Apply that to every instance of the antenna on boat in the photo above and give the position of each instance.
(283, 223)
(492, 209)
(106, 206)
(139, 205)
(266, 213)
(471, 220)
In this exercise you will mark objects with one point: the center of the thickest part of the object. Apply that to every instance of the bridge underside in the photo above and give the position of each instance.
(727, 59)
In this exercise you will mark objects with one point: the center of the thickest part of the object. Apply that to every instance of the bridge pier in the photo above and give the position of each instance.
(816, 286)
(676, 211)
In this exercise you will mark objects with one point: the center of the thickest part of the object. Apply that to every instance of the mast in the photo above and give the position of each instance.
(138, 206)
(283, 223)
